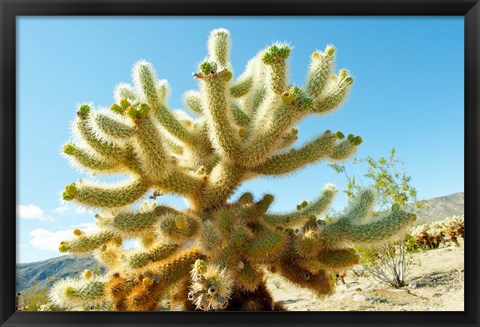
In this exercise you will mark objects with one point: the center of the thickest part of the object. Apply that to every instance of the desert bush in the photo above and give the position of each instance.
(391, 261)
(33, 299)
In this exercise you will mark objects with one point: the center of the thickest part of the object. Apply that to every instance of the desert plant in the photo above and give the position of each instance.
(213, 255)
(391, 261)
(33, 299)
(431, 235)
(454, 227)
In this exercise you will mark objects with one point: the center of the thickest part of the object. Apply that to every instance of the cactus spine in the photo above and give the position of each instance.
(213, 255)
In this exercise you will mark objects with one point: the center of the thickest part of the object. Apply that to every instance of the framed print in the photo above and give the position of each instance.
(241, 163)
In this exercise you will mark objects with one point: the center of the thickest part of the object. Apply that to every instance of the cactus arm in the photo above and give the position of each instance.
(241, 87)
(362, 206)
(171, 124)
(275, 57)
(256, 70)
(70, 293)
(320, 282)
(112, 126)
(209, 238)
(321, 204)
(219, 118)
(334, 97)
(259, 95)
(338, 259)
(131, 161)
(295, 159)
(157, 253)
(163, 90)
(288, 139)
(321, 67)
(307, 243)
(146, 80)
(248, 278)
(125, 91)
(183, 183)
(149, 146)
(314, 208)
(170, 271)
(179, 228)
(82, 158)
(223, 181)
(103, 196)
(385, 227)
(85, 128)
(266, 246)
(346, 148)
(87, 243)
(224, 223)
(136, 224)
(117, 289)
(241, 118)
(264, 142)
(193, 101)
(172, 146)
(219, 47)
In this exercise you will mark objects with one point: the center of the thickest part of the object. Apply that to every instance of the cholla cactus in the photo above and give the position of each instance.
(215, 253)
(454, 227)
(431, 235)
(428, 236)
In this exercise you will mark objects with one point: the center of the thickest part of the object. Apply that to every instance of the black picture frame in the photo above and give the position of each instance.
(10, 9)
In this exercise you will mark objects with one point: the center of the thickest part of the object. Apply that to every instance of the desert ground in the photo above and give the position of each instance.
(436, 283)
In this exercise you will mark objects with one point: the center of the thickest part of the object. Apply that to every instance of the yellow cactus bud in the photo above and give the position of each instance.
(330, 50)
(148, 281)
(200, 267)
(87, 274)
(316, 55)
(63, 248)
(77, 232)
(124, 103)
(69, 291)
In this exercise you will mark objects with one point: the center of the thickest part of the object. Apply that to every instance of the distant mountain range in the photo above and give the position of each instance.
(42, 274)
(442, 207)
(36, 274)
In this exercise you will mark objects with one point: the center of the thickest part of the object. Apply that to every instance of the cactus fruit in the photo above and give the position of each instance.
(213, 254)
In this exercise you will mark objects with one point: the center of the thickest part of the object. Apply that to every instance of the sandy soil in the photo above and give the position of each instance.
(436, 284)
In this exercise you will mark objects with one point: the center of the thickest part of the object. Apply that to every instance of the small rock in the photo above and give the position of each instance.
(376, 300)
(413, 285)
(359, 298)
(358, 289)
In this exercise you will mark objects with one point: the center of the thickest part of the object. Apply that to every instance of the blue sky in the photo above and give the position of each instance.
(408, 94)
